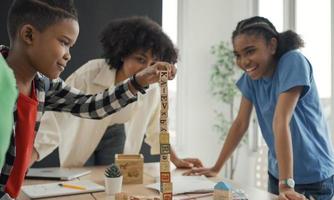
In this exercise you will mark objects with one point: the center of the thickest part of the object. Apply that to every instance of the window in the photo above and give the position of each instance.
(273, 10)
(315, 30)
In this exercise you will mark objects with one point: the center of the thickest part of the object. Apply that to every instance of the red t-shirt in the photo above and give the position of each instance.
(24, 140)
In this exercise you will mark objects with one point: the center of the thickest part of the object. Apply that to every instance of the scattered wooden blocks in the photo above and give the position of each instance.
(121, 196)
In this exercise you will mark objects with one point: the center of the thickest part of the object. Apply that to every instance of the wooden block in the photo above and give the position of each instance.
(164, 115)
(164, 138)
(164, 148)
(164, 166)
(132, 167)
(166, 187)
(164, 157)
(163, 87)
(165, 177)
(163, 125)
(164, 91)
(121, 196)
(222, 195)
(163, 76)
(167, 196)
(164, 98)
(164, 107)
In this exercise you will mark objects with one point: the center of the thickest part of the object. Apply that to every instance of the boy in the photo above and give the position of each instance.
(41, 35)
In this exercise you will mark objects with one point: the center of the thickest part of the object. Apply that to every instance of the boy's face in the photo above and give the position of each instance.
(254, 55)
(137, 61)
(49, 51)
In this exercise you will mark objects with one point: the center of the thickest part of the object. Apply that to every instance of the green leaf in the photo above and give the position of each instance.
(112, 171)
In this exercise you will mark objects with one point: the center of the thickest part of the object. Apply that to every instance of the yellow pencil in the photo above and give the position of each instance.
(71, 186)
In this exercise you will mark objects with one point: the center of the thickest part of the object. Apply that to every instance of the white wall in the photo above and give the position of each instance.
(202, 23)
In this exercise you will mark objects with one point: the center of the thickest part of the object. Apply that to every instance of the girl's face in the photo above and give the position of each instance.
(137, 61)
(254, 55)
(50, 49)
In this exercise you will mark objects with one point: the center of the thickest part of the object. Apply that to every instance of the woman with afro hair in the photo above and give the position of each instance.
(129, 45)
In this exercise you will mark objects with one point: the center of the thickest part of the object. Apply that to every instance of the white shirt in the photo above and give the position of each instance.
(77, 137)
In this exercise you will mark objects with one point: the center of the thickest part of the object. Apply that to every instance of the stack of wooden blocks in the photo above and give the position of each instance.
(131, 166)
(166, 186)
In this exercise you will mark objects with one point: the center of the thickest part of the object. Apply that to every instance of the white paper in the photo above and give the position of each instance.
(188, 184)
(53, 189)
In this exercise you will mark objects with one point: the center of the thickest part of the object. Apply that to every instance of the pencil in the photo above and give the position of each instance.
(71, 186)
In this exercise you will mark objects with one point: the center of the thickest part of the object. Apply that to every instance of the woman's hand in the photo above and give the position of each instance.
(187, 163)
(209, 172)
(151, 74)
(290, 194)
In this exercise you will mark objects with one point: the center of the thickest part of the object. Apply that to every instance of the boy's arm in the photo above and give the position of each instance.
(52, 123)
(63, 98)
(286, 104)
(235, 134)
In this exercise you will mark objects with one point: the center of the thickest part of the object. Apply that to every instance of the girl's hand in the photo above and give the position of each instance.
(151, 74)
(290, 194)
(209, 172)
(187, 163)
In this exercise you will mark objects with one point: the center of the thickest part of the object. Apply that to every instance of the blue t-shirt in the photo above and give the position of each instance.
(313, 156)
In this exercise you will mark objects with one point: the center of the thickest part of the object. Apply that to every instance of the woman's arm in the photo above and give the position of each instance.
(286, 104)
(235, 134)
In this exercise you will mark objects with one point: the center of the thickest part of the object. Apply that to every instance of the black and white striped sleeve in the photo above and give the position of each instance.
(63, 98)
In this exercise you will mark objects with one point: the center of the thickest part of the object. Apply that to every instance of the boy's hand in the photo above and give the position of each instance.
(209, 172)
(187, 163)
(290, 194)
(34, 157)
(151, 75)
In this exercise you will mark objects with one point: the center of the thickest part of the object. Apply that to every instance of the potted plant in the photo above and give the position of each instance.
(113, 179)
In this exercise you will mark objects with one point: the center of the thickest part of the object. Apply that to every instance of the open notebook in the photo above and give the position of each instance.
(54, 189)
(193, 187)
(188, 184)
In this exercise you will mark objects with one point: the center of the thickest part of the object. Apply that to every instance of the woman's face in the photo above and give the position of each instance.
(254, 55)
(137, 61)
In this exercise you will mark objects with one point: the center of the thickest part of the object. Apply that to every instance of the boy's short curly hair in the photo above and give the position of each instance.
(124, 36)
(39, 13)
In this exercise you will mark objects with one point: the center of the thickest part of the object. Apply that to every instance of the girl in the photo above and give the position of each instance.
(278, 81)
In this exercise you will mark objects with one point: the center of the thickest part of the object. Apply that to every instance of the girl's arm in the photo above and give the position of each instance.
(286, 104)
(235, 134)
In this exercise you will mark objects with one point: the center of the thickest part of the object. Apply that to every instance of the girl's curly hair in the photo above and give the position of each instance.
(124, 36)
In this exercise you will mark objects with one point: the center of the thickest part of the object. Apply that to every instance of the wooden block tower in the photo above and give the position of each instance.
(166, 186)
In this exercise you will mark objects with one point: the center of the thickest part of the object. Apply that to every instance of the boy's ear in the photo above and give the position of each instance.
(27, 33)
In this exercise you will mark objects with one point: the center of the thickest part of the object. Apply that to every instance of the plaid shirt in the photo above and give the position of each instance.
(63, 98)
